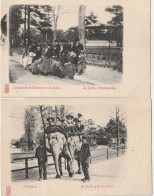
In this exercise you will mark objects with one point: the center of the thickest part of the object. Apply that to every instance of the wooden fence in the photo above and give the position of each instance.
(116, 152)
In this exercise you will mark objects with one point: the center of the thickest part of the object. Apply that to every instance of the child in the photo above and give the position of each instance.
(84, 158)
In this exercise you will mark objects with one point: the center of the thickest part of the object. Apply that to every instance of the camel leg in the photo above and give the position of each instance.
(60, 165)
(55, 158)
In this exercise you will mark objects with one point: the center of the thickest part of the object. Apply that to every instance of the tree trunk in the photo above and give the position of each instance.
(81, 24)
(25, 26)
(54, 32)
(10, 36)
(43, 124)
(28, 24)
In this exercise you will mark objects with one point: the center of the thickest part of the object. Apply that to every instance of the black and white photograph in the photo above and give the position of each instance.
(73, 143)
(96, 146)
(65, 44)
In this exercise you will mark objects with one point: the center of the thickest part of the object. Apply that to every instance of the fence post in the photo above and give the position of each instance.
(26, 166)
(107, 154)
(65, 164)
(117, 151)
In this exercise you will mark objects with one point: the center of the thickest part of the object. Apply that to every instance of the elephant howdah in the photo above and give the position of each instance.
(66, 131)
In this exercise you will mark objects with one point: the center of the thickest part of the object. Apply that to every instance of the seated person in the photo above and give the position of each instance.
(49, 52)
(52, 124)
(80, 123)
(58, 121)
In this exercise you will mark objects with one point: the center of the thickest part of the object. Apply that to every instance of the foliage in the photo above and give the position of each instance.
(29, 126)
(71, 33)
(4, 25)
(91, 19)
(117, 22)
(116, 127)
(117, 11)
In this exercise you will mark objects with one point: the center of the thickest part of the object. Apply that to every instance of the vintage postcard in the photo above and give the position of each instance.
(76, 146)
(75, 49)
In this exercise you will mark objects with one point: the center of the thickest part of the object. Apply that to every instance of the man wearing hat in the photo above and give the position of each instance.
(41, 155)
(84, 158)
(77, 48)
(49, 52)
(52, 124)
(57, 48)
(80, 124)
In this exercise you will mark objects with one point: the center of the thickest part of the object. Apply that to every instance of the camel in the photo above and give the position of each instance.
(53, 66)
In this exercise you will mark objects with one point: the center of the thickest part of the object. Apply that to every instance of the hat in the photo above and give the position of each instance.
(58, 118)
(76, 120)
(69, 116)
(76, 39)
(50, 118)
(79, 114)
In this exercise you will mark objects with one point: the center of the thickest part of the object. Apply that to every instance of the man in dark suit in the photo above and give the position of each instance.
(57, 49)
(41, 155)
(77, 48)
(84, 158)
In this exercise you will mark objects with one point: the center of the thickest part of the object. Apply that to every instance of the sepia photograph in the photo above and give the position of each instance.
(65, 44)
(65, 141)
(96, 146)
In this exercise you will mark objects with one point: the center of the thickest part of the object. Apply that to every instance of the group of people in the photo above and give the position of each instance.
(85, 154)
(69, 125)
(58, 50)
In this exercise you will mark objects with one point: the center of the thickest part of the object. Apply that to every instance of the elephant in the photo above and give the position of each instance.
(59, 149)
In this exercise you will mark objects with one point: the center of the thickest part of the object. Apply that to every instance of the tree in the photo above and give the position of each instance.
(4, 26)
(91, 19)
(56, 10)
(71, 33)
(29, 126)
(15, 20)
(116, 125)
(41, 18)
(117, 23)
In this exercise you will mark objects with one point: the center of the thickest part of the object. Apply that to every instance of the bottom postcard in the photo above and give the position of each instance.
(76, 146)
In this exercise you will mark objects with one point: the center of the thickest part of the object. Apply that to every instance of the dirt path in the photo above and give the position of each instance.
(94, 75)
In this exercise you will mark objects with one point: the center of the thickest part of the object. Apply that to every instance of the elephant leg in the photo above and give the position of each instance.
(79, 166)
(60, 165)
(55, 158)
(70, 168)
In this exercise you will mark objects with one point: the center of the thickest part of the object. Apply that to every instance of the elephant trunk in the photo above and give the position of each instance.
(56, 162)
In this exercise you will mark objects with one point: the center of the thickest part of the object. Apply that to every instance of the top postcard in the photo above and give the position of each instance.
(75, 49)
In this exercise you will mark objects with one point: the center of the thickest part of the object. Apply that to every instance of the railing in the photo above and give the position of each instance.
(26, 164)
(118, 150)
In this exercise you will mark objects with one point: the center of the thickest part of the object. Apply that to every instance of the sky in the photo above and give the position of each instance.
(69, 15)
(100, 115)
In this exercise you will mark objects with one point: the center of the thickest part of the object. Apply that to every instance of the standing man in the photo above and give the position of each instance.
(84, 158)
(41, 155)
(77, 49)
(57, 49)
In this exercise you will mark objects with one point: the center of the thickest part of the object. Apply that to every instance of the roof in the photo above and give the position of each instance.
(98, 25)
